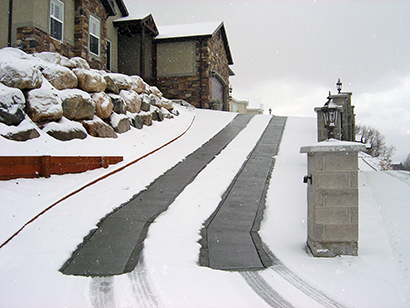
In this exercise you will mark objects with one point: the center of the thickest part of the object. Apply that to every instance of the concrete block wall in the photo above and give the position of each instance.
(333, 198)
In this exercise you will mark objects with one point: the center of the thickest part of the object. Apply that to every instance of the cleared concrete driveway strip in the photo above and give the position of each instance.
(229, 238)
(115, 246)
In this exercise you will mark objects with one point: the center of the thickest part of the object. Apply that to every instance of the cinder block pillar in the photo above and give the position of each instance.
(333, 197)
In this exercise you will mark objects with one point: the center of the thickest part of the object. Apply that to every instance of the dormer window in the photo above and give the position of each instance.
(56, 19)
(94, 29)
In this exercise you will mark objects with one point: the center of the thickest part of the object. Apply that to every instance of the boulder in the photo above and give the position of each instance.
(136, 120)
(103, 105)
(157, 114)
(43, 105)
(120, 123)
(155, 91)
(167, 104)
(23, 135)
(55, 58)
(12, 103)
(89, 80)
(132, 100)
(65, 130)
(15, 54)
(80, 63)
(77, 104)
(166, 113)
(118, 103)
(155, 100)
(161, 102)
(19, 75)
(146, 118)
(98, 128)
(66, 62)
(111, 86)
(160, 115)
(138, 84)
(122, 81)
(60, 77)
(24, 131)
(145, 102)
(147, 88)
(174, 112)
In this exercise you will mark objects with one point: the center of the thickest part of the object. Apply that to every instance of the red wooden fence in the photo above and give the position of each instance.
(13, 167)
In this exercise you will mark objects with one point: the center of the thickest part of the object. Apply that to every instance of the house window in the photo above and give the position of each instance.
(56, 19)
(108, 55)
(94, 35)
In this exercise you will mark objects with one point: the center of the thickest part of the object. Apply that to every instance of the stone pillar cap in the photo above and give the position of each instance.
(334, 145)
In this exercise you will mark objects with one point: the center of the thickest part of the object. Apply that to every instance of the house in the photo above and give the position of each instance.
(193, 64)
(189, 62)
(81, 28)
(239, 106)
(255, 106)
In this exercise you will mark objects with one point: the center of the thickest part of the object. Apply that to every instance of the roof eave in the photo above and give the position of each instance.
(183, 38)
(147, 22)
(110, 8)
(226, 43)
(122, 7)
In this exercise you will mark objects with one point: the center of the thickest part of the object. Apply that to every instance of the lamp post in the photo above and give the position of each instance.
(339, 86)
(330, 115)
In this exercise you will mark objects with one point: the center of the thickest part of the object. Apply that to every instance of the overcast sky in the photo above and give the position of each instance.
(289, 54)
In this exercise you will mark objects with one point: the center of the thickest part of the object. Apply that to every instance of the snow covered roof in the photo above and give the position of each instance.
(193, 32)
(133, 17)
(189, 30)
(135, 22)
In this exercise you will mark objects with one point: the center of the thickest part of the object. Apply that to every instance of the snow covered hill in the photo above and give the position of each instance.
(169, 275)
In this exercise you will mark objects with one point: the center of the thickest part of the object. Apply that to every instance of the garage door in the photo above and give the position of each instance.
(217, 91)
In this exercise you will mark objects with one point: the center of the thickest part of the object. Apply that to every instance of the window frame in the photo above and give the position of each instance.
(96, 36)
(60, 5)
(109, 55)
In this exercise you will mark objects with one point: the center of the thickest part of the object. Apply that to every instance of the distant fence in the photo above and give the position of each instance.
(13, 167)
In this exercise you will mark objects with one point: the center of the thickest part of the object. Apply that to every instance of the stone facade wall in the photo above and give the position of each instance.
(36, 40)
(85, 8)
(218, 58)
(188, 87)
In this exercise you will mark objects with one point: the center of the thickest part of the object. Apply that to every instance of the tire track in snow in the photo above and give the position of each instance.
(142, 288)
(264, 290)
(102, 292)
(299, 283)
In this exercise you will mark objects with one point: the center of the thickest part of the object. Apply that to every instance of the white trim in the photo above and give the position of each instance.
(94, 30)
(59, 18)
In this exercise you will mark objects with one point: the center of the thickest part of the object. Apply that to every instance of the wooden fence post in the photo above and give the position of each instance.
(45, 166)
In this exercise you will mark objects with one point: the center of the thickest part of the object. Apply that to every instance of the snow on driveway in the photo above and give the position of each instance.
(169, 275)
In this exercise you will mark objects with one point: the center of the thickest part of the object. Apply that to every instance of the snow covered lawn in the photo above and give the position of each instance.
(169, 275)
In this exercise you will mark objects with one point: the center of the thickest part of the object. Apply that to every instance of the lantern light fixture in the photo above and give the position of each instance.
(330, 113)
